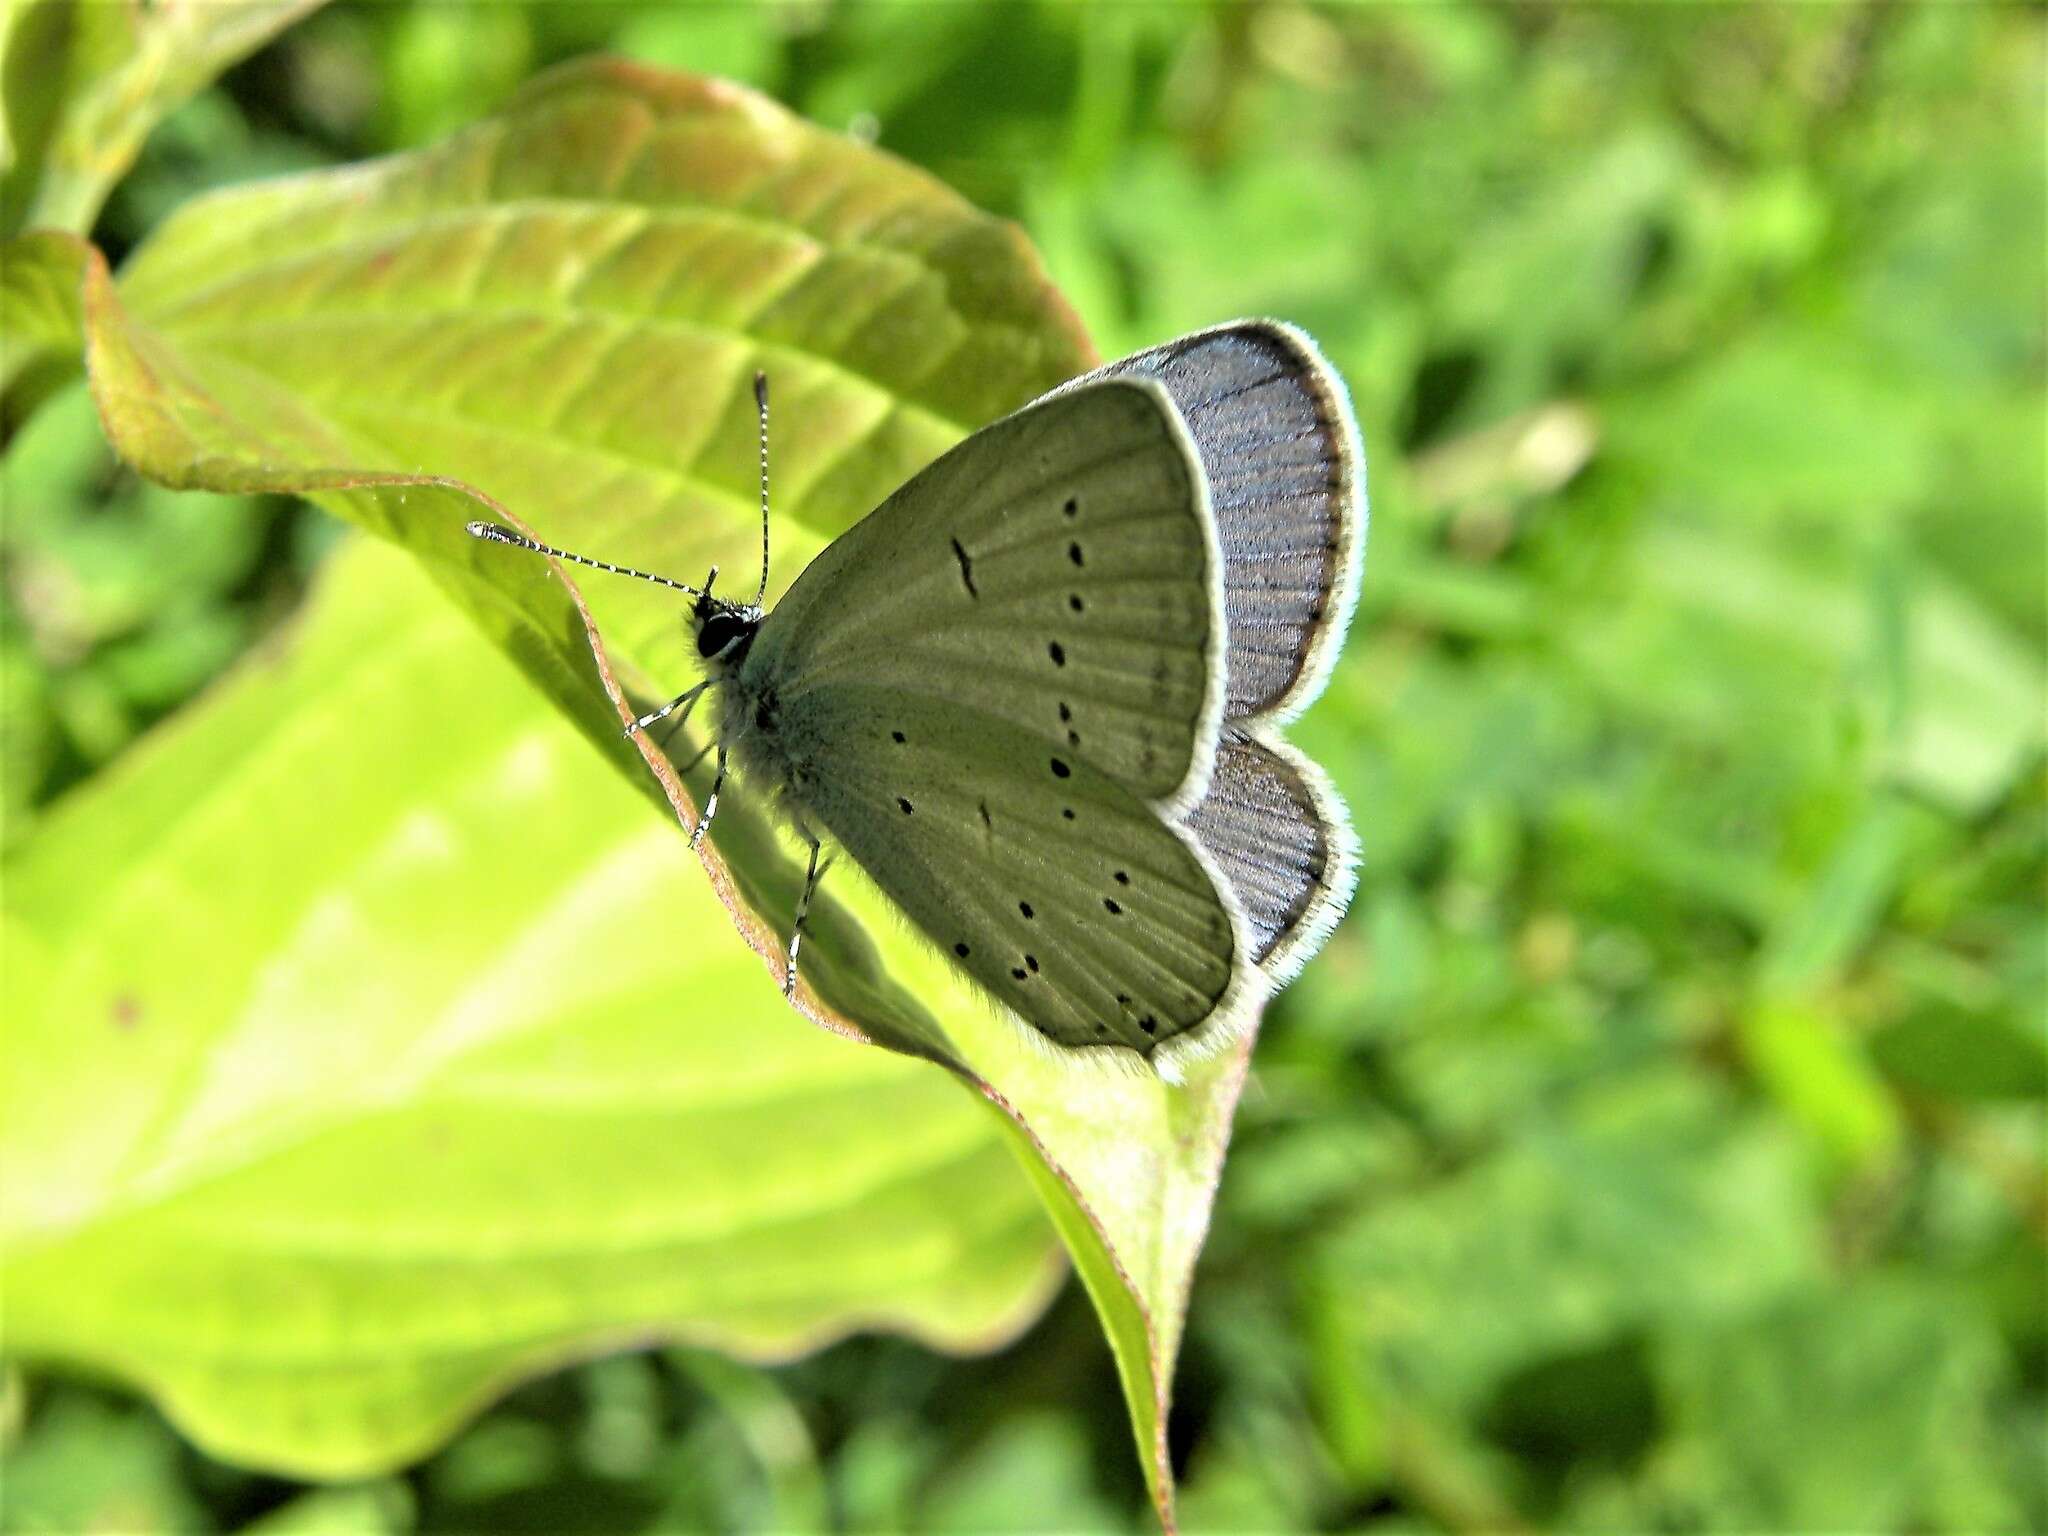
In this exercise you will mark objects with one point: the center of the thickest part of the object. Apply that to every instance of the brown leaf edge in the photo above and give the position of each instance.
(100, 300)
(767, 944)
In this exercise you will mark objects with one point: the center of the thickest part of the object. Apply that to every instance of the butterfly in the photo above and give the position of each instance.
(1036, 694)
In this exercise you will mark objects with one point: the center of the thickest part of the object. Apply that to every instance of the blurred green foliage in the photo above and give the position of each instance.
(1660, 1143)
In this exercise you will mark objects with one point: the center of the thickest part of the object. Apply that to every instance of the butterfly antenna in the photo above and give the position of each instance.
(761, 410)
(498, 533)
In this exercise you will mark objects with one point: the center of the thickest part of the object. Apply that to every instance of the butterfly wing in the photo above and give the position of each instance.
(1058, 570)
(1279, 446)
(1063, 893)
(1278, 834)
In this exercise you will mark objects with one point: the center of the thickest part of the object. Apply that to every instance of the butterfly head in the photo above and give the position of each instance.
(723, 629)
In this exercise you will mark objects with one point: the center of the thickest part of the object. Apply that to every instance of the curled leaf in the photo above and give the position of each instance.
(554, 319)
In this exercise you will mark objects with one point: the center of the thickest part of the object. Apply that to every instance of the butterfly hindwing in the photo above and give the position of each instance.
(1058, 570)
(1276, 831)
(1061, 892)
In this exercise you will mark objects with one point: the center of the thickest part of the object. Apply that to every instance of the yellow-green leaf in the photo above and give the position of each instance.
(86, 81)
(555, 317)
(368, 1048)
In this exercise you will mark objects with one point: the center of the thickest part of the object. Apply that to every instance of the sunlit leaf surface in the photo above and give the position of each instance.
(369, 1048)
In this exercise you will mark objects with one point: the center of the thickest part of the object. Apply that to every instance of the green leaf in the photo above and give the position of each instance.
(1802, 1054)
(1838, 914)
(42, 326)
(768, 1424)
(1966, 1053)
(559, 312)
(1862, 1410)
(1858, 448)
(1729, 635)
(1031, 1475)
(39, 300)
(1624, 1206)
(86, 81)
(374, 1509)
(86, 1465)
(369, 1049)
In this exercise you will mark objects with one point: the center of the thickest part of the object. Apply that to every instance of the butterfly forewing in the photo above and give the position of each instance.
(1064, 894)
(1059, 571)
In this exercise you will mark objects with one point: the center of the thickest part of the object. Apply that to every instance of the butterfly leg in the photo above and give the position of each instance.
(695, 758)
(796, 930)
(687, 700)
(711, 801)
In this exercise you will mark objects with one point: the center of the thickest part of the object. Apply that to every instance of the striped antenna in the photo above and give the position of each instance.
(761, 410)
(498, 533)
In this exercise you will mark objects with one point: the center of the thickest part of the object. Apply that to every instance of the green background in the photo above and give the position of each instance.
(1660, 1141)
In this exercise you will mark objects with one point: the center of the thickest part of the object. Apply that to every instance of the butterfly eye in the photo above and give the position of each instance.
(719, 631)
